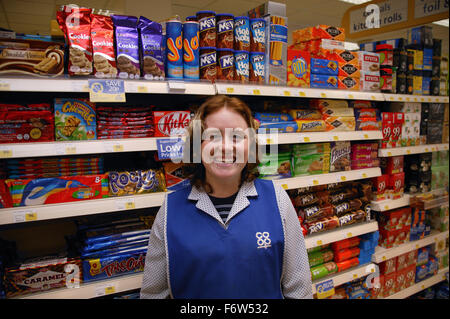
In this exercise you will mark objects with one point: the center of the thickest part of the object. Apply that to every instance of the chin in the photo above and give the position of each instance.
(224, 171)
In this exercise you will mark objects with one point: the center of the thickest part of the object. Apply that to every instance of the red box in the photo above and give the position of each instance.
(389, 284)
(400, 280)
(389, 266)
(386, 128)
(170, 123)
(394, 164)
(401, 237)
(401, 262)
(389, 220)
(298, 68)
(398, 120)
(410, 276)
(406, 218)
(387, 239)
(411, 259)
(380, 184)
(396, 185)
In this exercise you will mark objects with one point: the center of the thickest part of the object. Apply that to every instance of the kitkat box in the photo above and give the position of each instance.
(171, 123)
(298, 68)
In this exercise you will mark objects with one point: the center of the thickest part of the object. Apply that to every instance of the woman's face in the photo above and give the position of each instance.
(224, 145)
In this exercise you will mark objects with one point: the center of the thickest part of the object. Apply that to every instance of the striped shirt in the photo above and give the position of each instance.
(223, 205)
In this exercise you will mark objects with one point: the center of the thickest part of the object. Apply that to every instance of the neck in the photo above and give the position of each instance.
(223, 188)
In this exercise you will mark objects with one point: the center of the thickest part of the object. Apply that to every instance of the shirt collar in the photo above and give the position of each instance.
(241, 202)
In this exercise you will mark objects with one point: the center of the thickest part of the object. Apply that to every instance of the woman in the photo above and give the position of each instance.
(227, 235)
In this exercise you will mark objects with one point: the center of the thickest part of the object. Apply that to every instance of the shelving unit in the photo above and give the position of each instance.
(322, 179)
(81, 208)
(316, 137)
(347, 275)
(92, 289)
(131, 282)
(340, 233)
(108, 205)
(387, 152)
(405, 293)
(383, 254)
(65, 84)
(388, 204)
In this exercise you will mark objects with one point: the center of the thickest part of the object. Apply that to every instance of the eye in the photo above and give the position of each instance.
(239, 137)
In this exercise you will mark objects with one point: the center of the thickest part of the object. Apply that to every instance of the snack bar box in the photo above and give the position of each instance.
(42, 275)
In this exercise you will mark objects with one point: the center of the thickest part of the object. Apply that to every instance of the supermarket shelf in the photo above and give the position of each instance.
(387, 152)
(315, 137)
(340, 233)
(19, 150)
(131, 282)
(347, 275)
(62, 84)
(405, 293)
(415, 98)
(388, 204)
(92, 290)
(437, 202)
(382, 254)
(267, 90)
(80, 208)
(61, 148)
(323, 179)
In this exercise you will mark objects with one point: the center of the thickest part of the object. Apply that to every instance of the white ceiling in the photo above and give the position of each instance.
(33, 16)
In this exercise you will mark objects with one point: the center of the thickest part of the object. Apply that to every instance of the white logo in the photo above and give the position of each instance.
(263, 240)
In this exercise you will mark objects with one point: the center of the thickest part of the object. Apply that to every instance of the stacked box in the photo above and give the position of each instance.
(410, 133)
(439, 170)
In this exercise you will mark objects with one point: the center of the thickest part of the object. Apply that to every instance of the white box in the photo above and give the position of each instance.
(369, 62)
(369, 81)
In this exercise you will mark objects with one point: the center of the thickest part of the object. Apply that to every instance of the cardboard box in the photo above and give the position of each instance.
(348, 83)
(270, 7)
(319, 32)
(298, 68)
(369, 62)
(369, 81)
(323, 81)
(276, 49)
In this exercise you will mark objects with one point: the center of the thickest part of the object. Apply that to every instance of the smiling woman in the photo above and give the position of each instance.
(228, 234)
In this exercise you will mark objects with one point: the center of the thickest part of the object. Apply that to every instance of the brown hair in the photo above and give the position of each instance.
(195, 172)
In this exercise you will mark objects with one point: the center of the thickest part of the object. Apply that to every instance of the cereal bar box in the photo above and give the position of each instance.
(75, 119)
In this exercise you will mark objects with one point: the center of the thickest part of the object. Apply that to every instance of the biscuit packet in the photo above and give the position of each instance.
(76, 24)
(127, 46)
(340, 156)
(102, 35)
(151, 43)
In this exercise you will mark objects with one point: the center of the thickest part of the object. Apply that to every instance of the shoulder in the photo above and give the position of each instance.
(184, 191)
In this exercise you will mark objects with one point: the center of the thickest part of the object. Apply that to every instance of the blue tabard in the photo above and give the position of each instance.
(208, 261)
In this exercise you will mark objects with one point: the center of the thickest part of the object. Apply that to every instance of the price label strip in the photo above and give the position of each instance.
(325, 289)
(103, 90)
(25, 216)
(106, 289)
(125, 203)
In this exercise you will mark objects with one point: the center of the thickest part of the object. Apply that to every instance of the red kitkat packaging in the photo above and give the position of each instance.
(102, 35)
(411, 258)
(380, 184)
(76, 24)
(171, 123)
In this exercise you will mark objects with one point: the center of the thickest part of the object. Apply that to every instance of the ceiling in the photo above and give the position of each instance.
(33, 16)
